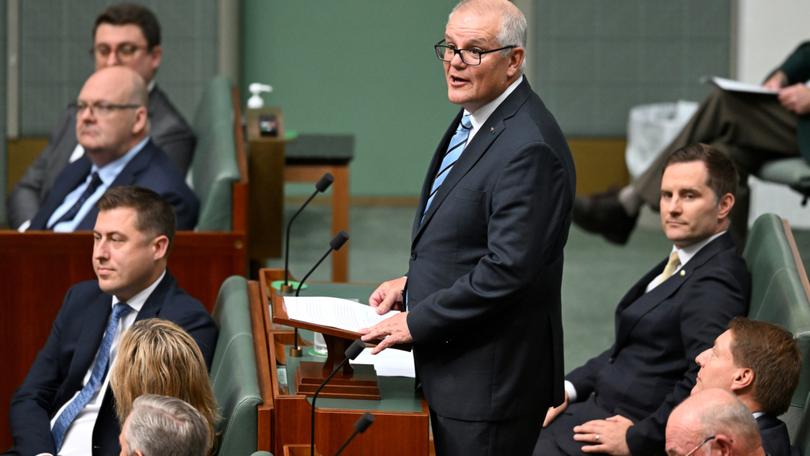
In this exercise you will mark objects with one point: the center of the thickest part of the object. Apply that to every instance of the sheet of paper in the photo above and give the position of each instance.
(334, 312)
(389, 362)
(738, 86)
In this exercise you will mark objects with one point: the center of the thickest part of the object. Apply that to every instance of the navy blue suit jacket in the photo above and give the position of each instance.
(650, 368)
(775, 437)
(166, 127)
(61, 365)
(486, 268)
(150, 168)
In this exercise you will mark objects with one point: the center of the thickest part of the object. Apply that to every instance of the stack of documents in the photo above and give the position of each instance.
(335, 312)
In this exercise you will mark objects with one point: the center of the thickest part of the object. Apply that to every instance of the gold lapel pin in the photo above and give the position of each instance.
(492, 129)
(683, 273)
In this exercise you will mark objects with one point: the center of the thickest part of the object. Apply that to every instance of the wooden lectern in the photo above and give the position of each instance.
(358, 382)
(400, 413)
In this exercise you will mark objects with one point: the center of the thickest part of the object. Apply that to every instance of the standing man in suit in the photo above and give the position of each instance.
(112, 127)
(64, 404)
(760, 363)
(752, 129)
(618, 402)
(713, 422)
(483, 285)
(128, 35)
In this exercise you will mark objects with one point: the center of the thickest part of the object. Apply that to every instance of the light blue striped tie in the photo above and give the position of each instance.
(70, 412)
(454, 150)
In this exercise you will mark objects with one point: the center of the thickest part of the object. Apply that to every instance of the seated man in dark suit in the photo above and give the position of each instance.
(712, 422)
(126, 35)
(112, 126)
(64, 405)
(618, 402)
(760, 363)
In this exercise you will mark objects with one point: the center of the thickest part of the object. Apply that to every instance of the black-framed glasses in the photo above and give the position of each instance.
(100, 108)
(123, 52)
(472, 56)
(704, 442)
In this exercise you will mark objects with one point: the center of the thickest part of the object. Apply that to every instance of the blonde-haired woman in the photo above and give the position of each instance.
(158, 357)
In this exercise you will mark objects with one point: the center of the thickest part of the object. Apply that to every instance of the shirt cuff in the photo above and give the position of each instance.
(570, 391)
(24, 227)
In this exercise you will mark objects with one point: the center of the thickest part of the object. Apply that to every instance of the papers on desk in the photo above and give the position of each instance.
(738, 86)
(335, 312)
(389, 362)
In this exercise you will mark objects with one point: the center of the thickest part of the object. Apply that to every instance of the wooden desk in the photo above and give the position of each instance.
(401, 416)
(305, 159)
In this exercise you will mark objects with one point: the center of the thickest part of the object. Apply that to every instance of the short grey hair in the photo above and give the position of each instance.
(513, 22)
(733, 418)
(161, 425)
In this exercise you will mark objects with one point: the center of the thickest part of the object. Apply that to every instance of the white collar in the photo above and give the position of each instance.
(137, 301)
(687, 253)
(480, 116)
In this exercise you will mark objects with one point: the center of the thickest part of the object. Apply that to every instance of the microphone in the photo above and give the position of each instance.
(351, 353)
(360, 427)
(334, 245)
(323, 183)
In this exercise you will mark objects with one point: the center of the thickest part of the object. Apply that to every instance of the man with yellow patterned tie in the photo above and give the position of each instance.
(618, 402)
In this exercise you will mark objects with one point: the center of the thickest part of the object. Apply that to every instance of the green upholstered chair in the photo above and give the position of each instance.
(214, 168)
(802, 437)
(780, 294)
(233, 371)
(793, 172)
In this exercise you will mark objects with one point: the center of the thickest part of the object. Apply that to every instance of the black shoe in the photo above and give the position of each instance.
(603, 214)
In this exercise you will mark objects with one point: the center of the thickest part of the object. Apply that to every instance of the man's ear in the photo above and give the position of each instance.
(743, 378)
(723, 443)
(516, 57)
(161, 247)
(141, 121)
(724, 206)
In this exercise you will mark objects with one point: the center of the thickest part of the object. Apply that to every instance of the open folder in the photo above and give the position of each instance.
(738, 86)
(334, 312)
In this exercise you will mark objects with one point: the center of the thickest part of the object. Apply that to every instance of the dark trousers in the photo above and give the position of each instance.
(751, 129)
(485, 438)
(558, 437)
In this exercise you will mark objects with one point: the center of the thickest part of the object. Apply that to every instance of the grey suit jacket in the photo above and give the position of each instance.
(168, 130)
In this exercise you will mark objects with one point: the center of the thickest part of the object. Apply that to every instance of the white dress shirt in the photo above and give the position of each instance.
(79, 436)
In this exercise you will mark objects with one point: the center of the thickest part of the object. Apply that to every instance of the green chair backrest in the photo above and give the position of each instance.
(233, 371)
(802, 438)
(779, 294)
(214, 168)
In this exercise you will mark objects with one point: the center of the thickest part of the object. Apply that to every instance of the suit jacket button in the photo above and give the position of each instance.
(611, 359)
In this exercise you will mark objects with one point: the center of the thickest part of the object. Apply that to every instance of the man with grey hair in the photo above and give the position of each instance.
(482, 307)
(713, 421)
(166, 426)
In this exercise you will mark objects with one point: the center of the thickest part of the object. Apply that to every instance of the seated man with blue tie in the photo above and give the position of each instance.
(112, 126)
(618, 402)
(65, 406)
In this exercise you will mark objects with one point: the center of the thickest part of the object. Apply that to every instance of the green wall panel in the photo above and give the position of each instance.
(360, 67)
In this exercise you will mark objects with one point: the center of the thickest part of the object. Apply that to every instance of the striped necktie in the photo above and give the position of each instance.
(454, 150)
(62, 424)
(95, 181)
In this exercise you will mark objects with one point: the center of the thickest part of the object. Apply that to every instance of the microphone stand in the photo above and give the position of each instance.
(335, 244)
(351, 353)
(323, 183)
(360, 426)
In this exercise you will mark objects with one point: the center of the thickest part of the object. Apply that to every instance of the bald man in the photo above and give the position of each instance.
(713, 421)
(112, 126)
